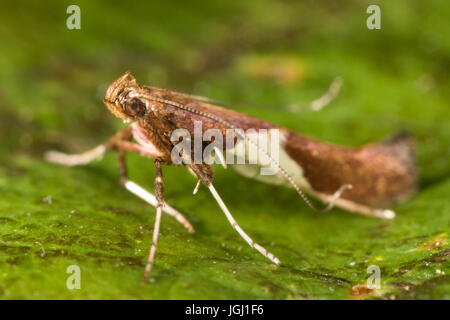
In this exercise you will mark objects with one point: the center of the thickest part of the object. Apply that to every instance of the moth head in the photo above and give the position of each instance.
(122, 98)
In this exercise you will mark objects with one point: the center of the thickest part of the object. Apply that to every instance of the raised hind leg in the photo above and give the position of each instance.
(354, 207)
(323, 100)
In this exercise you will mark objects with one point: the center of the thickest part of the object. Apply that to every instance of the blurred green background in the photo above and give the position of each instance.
(260, 57)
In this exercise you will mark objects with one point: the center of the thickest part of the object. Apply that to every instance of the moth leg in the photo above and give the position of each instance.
(233, 222)
(196, 187)
(322, 101)
(71, 160)
(220, 156)
(84, 158)
(137, 148)
(354, 207)
(120, 143)
(98, 152)
(334, 197)
(147, 196)
(159, 191)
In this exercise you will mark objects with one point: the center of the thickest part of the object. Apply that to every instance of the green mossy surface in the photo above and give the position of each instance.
(52, 84)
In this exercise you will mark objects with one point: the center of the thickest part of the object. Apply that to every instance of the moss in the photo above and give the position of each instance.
(50, 98)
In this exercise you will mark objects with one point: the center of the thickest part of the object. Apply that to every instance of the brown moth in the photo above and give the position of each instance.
(365, 180)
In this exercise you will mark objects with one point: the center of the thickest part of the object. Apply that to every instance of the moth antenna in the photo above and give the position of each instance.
(194, 97)
(181, 106)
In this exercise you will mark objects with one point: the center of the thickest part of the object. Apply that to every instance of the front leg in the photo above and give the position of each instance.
(70, 160)
(120, 142)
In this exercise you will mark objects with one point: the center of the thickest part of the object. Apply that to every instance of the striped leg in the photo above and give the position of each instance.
(159, 190)
(233, 222)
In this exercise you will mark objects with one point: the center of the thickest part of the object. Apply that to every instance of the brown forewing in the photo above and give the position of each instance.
(381, 174)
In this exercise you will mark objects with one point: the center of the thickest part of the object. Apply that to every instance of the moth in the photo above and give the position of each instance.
(365, 180)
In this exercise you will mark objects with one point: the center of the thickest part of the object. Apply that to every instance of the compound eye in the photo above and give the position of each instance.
(135, 108)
